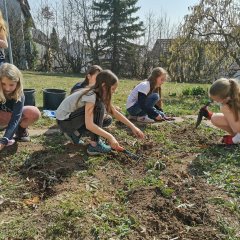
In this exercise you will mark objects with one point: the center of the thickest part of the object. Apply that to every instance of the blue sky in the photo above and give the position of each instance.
(174, 9)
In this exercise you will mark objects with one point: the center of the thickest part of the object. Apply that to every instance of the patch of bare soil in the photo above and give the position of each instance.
(45, 170)
(184, 214)
(187, 213)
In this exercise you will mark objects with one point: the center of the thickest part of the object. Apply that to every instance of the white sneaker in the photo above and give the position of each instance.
(145, 119)
(130, 117)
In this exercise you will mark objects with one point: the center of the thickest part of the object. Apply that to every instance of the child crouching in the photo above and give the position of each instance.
(14, 116)
(84, 110)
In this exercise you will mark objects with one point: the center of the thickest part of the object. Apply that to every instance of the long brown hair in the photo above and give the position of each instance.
(227, 89)
(104, 81)
(156, 72)
(92, 70)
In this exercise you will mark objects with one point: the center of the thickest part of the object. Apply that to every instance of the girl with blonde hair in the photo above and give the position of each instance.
(14, 116)
(226, 92)
(3, 38)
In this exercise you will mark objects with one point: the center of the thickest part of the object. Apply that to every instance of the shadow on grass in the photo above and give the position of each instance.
(8, 151)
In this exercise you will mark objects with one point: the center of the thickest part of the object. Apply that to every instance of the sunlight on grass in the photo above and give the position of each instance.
(113, 196)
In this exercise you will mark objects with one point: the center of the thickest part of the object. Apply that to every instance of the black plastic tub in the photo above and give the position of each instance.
(52, 98)
(29, 94)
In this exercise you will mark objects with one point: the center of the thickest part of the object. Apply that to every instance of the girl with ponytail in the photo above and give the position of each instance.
(144, 103)
(227, 93)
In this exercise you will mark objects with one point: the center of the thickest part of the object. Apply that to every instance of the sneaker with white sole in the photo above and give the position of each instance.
(10, 142)
(100, 148)
(22, 135)
(73, 138)
(145, 119)
(130, 117)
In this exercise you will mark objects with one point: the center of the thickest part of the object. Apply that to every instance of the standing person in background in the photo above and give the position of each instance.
(3, 38)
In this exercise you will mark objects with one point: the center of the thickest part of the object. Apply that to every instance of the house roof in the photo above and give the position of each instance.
(25, 8)
(161, 46)
(39, 37)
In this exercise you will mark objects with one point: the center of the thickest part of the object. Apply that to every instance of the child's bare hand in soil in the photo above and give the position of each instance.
(159, 118)
(113, 142)
(138, 133)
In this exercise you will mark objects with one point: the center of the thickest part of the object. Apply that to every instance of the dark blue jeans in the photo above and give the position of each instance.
(2, 61)
(150, 102)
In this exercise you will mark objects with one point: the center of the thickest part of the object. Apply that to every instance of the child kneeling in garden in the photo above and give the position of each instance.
(90, 80)
(14, 116)
(144, 103)
(226, 92)
(84, 110)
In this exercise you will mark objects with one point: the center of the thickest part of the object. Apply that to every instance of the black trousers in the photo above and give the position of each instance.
(76, 121)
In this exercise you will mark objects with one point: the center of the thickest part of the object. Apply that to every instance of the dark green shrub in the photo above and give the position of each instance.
(195, 91)
(198, 91)
(186, 92)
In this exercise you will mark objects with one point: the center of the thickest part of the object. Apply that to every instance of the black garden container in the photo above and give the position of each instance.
(29, 94)
(52, 98)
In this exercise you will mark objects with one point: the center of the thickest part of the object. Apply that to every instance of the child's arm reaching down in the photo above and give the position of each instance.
(120, 117)
(91, 126)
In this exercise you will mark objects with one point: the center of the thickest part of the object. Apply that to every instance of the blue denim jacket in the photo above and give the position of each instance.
(16, 108)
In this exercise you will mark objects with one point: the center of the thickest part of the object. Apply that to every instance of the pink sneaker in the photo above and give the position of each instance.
(10, 142)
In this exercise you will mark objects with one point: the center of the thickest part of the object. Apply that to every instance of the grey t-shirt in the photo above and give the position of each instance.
(71, 103)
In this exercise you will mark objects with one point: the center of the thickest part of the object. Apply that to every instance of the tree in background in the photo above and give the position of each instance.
(30, 46)
(91, 29)
(156, 29)
(187, 60)
(48, 16)
(106, 32)
(207, 43)
(217, 22)
(119, 26)
(54, 42)
(17, 36)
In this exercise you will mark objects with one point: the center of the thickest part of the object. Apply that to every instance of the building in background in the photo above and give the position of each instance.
(20, 25)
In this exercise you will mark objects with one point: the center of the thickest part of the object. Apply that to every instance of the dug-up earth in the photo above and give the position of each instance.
(44, 131)
(161, 194)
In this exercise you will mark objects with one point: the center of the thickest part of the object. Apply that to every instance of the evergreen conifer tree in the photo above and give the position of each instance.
(120, 27)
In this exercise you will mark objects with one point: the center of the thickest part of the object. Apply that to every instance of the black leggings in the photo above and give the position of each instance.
(76, 121)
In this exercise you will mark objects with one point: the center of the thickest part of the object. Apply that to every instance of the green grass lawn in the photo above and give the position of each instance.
(174, 100)
(183, 186)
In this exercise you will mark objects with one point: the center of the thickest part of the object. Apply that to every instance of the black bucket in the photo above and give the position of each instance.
(29, 97)
(52, 98)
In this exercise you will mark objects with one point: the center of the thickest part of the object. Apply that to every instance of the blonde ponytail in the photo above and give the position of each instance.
(234, 94)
